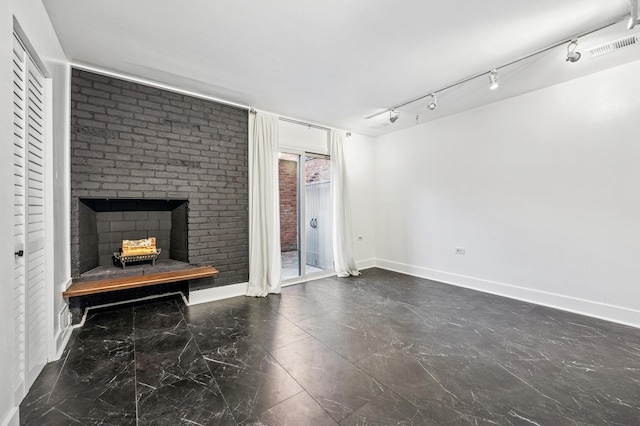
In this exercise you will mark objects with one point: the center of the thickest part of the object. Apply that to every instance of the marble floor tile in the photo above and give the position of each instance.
(407, 376)
(243, 317)
(336, 384)
(297, 308)
(169, 357)
(250, 378)
(353, 338)
(185, 402)
(157, 317)
(300, 409)
(388, 409)
(36, 407)
(379, 349)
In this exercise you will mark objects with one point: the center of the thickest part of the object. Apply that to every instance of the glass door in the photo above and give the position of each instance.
(289, 176)
(318, 223)
(305, 214)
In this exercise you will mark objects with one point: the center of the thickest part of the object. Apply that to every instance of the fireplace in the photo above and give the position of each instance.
(138, 153)
(105, 223)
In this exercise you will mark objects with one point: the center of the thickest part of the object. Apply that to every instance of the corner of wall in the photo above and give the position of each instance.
(366, 263)
(589, 308)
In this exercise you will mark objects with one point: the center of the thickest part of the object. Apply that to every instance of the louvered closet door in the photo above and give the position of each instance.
(29, 282)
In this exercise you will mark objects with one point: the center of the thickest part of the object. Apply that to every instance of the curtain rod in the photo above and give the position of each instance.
(302, 123)
(474, 76)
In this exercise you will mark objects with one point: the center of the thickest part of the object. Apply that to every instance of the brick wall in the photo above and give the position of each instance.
(288, 171)
(113, 227)
(134, 141)
(317, 170)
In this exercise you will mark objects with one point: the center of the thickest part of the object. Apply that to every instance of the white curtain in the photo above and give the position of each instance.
(264, 216)
(344, 262)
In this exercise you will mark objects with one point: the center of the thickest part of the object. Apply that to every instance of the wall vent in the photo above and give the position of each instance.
(612, 46)
(381, 124)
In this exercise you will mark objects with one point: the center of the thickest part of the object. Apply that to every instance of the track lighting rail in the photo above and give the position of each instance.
(480, 74)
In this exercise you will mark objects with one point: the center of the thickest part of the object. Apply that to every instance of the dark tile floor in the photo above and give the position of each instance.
(380, 349)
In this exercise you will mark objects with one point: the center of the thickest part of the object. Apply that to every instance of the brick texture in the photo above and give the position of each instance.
(317, 170)
(288, 171)
(134, 141)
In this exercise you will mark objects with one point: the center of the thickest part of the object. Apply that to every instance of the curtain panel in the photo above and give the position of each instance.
(343, 259)
(264, 215)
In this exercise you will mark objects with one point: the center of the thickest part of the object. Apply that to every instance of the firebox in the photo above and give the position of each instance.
(105, 223)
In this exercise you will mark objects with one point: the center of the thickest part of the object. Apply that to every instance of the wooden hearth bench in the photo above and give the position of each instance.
(81, 290)
(123, 283)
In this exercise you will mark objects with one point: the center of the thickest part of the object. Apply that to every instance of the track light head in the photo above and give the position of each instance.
(434, 102)
(633, 19)
(393, 116)
(494, 79)
(572, 55)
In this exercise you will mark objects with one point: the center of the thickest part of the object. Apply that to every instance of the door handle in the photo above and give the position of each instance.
(19, 253)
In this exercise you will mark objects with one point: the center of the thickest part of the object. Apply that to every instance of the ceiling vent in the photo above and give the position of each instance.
(381, 124)
(613, 46)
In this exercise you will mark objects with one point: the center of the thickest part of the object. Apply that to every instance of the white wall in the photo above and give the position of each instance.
(297, 137)
(541, 190)
(33, 19)
(359, 155)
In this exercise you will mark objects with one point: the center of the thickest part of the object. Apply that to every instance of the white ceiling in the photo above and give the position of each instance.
(335, 62)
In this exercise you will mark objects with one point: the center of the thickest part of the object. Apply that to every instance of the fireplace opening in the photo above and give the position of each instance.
(105, 223)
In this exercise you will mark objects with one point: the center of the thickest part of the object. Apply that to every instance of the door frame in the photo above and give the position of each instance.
(301, 211)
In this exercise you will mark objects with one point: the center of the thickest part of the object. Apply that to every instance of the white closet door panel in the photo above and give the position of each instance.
(19, 181)
(35, 292)
(29, 275)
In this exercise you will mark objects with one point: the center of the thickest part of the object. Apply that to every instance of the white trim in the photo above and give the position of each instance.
(64, 333)
(133, 79)
(234, 290)
(62, 339)
(590, 308)
(366, 263)
(13, 418)
(299, 280)
(26, 43)
(216, 293)
(49, 204)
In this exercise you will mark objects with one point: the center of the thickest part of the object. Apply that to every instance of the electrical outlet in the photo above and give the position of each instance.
(459, 250)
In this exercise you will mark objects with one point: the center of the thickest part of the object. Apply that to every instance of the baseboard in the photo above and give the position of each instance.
(366, 263)
(217, 293)
(233, 290)
(62, 338)
(63, 334)
(566, 303)
(12, 418)
(301, 280)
